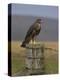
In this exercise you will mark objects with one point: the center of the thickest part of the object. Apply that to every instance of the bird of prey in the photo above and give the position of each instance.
(32, 32)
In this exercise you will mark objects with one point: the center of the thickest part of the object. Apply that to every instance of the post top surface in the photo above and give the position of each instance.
(35, 46)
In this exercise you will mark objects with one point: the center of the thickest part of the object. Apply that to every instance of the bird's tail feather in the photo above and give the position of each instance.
(26, 42)
(23, 44)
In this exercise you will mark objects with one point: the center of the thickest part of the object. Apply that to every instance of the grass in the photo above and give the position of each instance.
(18, 63)
(51, 64)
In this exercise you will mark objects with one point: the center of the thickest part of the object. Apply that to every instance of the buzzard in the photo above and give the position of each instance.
(33, 31)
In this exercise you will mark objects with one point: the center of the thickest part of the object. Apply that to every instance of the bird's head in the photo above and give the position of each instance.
(39, 21)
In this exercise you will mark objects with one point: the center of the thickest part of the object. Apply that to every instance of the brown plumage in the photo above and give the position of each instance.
(32, 32)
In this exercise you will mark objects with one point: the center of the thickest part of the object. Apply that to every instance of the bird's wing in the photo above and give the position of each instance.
(33, 27)
(28, 38)
(29, 31)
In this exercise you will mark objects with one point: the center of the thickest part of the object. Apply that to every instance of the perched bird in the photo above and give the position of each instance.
(32, 32)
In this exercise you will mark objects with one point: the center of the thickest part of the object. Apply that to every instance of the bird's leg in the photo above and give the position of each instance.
(34, 40)
(31, 41)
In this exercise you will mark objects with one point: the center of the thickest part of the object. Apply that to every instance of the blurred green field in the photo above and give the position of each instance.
(18, 62)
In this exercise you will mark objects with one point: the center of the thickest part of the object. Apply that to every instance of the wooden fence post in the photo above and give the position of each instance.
(37, 64)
